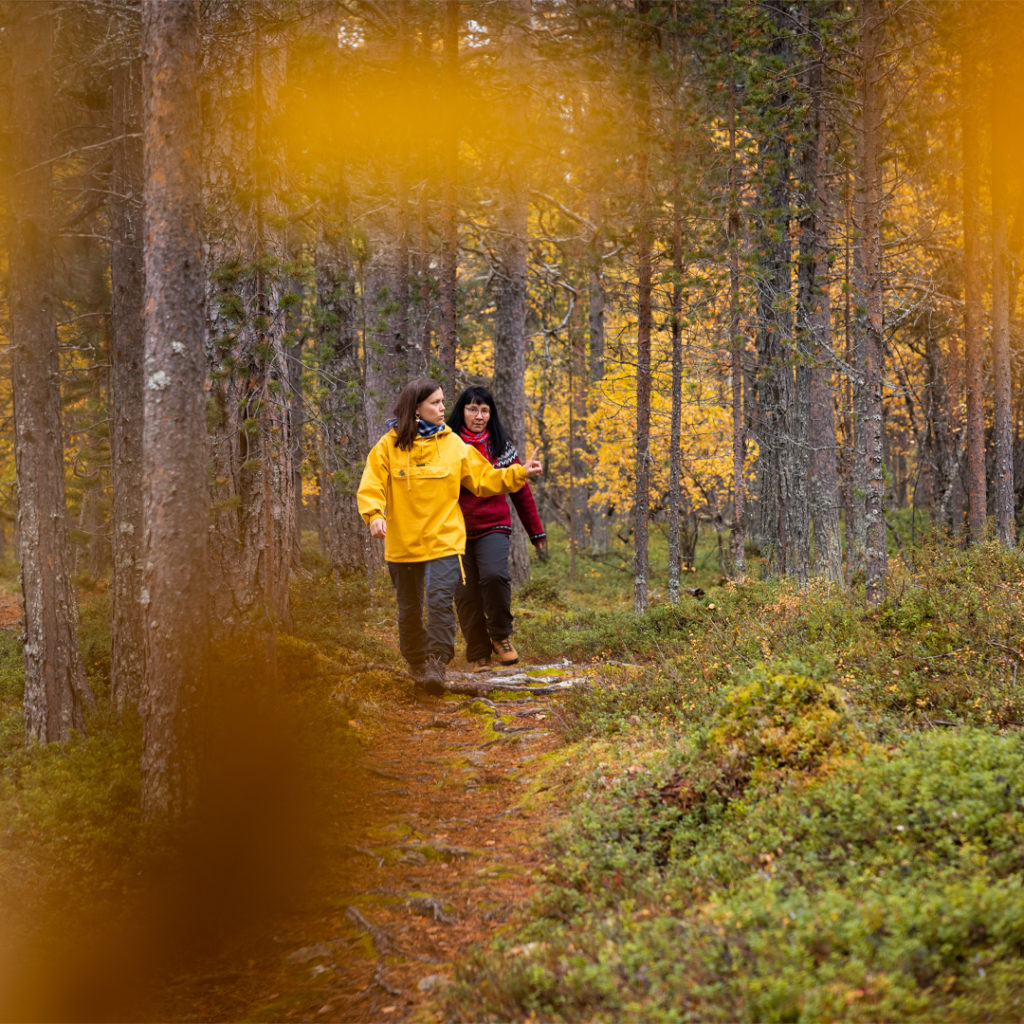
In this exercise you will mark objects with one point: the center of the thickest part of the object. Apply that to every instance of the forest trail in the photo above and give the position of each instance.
(438, 848)
(10, 610)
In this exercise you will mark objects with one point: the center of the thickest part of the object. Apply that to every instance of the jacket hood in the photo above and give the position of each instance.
(393, 429)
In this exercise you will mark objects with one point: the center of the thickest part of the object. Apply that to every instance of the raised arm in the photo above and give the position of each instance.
(484, 480)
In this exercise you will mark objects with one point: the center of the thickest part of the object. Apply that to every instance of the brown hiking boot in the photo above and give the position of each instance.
(480, 664)
(506, 653)
(432, 679)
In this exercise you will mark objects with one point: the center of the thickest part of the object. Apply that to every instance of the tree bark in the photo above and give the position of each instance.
(127, 288)
(344, 440)
(868, 323)
(856, 488)
(676, 428)
(174, 431)
(56, 691)
(598, 510)
(815, 311)
(510, 274)
(738, 530)
(392, 357)
(254, 507)
(449, 200)
(973, 355)
(1002, 412)
(642, 461)
(579, 399)
(780, 513)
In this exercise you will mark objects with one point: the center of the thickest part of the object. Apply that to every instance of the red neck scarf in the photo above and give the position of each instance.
(481, 441)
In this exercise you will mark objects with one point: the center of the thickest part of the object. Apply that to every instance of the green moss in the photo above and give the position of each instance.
(890, 888)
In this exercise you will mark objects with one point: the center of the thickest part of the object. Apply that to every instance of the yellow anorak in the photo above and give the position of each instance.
(417, 493)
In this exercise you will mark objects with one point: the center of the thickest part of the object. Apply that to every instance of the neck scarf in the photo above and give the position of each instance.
(425, 429)
(481, 442)
(470, 438)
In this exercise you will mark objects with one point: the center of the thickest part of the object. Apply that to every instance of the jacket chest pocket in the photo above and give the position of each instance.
(427, 471)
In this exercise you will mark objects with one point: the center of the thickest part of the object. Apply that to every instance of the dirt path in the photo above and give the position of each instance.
(439, 848)
(10, 610)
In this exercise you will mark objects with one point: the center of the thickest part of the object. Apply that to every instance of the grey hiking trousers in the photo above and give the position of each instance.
(432, 583)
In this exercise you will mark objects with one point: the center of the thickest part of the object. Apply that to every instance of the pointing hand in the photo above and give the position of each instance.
(532, 465)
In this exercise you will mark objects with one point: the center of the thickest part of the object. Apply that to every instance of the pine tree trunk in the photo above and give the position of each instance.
(392, 357)
(127, 287)
(775, 367)
(344, 440)
(642, 471)
(598, 510)
(510, 276)
(510, 348)
(815, 313)
(793, 376)
(853, 405)
(56, 691)
(402, 281)
(253, 450)
(297, 423)
(675, 428)
(868, 324)
(737, 533)
(942, 440)
(293, 409)
(796, 476)
(89, 560)
(973, 355)
(1002, 412)
(174, 432)
(578, 434)
(449, 204)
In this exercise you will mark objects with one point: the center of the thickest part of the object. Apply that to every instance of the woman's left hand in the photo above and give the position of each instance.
(532, 465)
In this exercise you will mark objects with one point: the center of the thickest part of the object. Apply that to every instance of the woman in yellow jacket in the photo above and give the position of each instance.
(409, 495)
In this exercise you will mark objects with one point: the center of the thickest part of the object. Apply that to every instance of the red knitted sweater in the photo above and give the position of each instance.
(491, 515)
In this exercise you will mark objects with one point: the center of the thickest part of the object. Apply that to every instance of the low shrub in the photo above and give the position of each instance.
(781, 718)
(885, 886)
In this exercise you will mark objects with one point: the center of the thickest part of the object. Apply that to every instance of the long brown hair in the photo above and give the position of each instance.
(405, 409)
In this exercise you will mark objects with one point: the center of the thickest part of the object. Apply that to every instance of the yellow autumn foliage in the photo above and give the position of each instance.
(609, 432)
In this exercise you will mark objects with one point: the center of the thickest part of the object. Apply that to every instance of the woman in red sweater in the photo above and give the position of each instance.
(484, 601)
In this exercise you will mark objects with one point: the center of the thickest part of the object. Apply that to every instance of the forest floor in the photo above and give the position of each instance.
(10, 609)
(435, 847)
